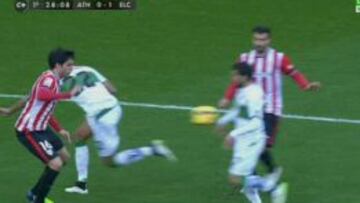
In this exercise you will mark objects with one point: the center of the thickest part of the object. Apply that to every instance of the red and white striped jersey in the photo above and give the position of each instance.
(268, 70)
(38, 112)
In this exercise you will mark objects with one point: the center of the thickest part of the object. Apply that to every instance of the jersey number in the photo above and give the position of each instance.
(47, 147)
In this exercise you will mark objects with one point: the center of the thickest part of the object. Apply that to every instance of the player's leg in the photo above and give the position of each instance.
(43, 145)
(246, 156)
(279, 191)
(238, 179)
(242, 166)
(48, 178)
(107, 138)
(271, 128)
(82, 157)
(252, 185)
(130, 156)
(55, 164)
(64, 154)
(255, 183)
(251, 193)
(279, 194)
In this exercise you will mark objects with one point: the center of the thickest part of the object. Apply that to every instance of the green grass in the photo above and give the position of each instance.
(179, 52)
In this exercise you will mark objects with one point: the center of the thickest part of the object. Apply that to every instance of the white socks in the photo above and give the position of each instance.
(252, 195)
(120, 159)
(132, 155)
(254, 184)
(82, 162)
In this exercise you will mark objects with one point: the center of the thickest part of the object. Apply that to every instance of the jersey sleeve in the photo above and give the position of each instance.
(47, 90)
(287, 68)
(229, 117)
(47, 82)
(46, 94)
(286, 65)
(230, 91)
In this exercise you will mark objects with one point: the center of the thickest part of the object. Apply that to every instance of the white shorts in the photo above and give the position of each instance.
(246, 155)
(105, 130)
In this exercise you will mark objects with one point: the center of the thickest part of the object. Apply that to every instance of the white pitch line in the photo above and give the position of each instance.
(188, 108)
(11, 96)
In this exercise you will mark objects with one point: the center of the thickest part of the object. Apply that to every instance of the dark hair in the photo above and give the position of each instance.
(59, 56)
(262, 30)
(243, 69)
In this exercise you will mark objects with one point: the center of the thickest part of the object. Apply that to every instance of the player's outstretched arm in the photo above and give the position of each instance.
(303, 82)
(288, 68)
(224, 103)
(14, 108)
(220, 126)
(46, 94)
(229, 95)
(313, 86)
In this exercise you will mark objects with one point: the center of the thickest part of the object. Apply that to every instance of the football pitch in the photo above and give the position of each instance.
(180, 52)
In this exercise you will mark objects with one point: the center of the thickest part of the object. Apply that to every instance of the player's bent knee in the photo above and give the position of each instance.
(81, 138)
(56, 164)
(83, 133)
(64, 155)
(65, 158)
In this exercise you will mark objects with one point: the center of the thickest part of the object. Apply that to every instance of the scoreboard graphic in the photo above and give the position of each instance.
(33, 5)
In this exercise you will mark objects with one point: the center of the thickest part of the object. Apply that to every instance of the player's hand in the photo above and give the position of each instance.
(66, 135)
(5, 112)
(313, 86)
(224, 103)
(228, 142)
(76, 90)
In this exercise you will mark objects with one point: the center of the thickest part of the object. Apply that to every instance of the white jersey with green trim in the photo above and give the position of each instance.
(94, 96)
(247, 112)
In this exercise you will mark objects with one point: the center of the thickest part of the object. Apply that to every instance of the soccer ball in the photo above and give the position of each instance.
(204, 115)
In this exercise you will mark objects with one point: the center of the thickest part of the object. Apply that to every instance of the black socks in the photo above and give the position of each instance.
(42, 188)
(267, 159)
